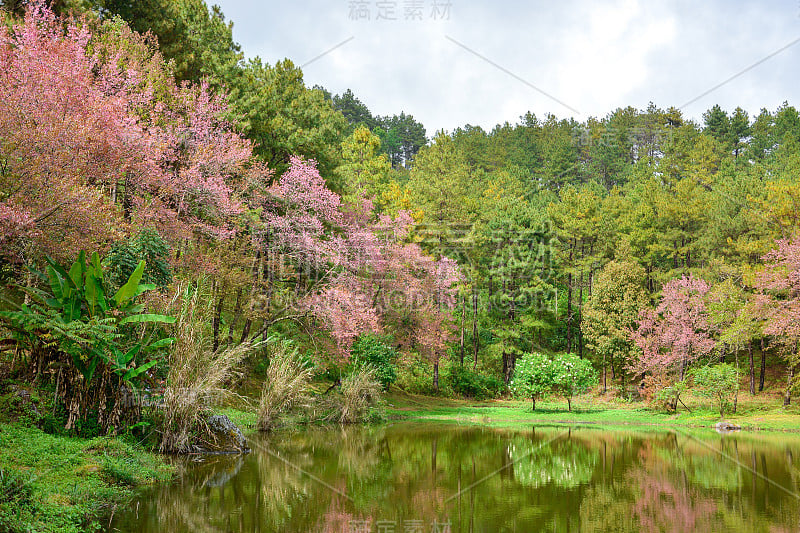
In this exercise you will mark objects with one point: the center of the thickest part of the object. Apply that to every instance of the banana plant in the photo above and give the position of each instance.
(89, 324)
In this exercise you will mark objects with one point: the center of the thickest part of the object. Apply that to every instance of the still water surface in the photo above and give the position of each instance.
(414, 477)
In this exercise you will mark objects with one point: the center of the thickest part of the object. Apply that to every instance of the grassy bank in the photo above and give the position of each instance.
(64, 484)
(759, 413)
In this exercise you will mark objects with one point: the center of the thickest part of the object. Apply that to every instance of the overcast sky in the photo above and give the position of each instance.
(456, 62)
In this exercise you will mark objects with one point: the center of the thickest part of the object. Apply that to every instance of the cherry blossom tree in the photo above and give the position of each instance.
(779, 300)
(64, 136)
(355, 270)
(675, 334)
(96, 135)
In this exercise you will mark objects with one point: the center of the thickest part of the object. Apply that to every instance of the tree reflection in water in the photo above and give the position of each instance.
(482, 479)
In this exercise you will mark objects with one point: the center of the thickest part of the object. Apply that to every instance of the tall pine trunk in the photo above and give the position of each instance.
(763, 366)
(217, 320)
(569, 301)
(752, 368)
(463, 317)
(475, 339)
(604, 374)
(237, 313)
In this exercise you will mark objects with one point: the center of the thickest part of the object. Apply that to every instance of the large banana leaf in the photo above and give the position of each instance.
(147, 317)
(129, 290)
(163, 343)
(136, 371)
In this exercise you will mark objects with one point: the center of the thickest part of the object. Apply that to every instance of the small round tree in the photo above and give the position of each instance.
(533, 377)
(718, 382)
(572, 375)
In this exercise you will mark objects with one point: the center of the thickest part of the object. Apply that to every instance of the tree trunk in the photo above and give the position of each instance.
(255, 270)
(436, 376)
(569, 311)
(127, 200)
(491, 293)
(591, 267)
(237, 313)
(752, 368)
(787, 397)
(26, 300)
(463, 317)
(569, 404)
(604, 374)
(475, 340)
(505, 367)
(533, 401)
(763, 366)
(217, 320)
(579, 333)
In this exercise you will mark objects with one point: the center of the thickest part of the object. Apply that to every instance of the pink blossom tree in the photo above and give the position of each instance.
(64, 136)
(779, 300)
(96, 135)
(356, 271)
(677, 332)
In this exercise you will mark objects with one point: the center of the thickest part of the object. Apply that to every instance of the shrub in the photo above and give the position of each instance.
(662, 391)
(375, 351)
(414, 376)
(96, 339)
(474, 385)
(148, 246)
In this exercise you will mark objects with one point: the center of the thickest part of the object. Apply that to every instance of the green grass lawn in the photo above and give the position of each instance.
(759, 413)
(63, 484)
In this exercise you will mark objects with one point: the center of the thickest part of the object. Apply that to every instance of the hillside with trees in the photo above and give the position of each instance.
(174, 217)
(143, 156)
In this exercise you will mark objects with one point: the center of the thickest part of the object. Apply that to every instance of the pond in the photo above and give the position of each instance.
(427, 477)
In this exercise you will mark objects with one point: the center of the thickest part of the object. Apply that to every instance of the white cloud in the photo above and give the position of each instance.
(594, 57)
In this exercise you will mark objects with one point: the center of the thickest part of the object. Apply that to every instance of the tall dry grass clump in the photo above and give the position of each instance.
(197, 375)
(361, 391)
(286, 385)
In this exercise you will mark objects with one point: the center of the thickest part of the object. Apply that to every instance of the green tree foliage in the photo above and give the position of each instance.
(475, 385)
(718, 382)
(534, 377)
(146, 246)
(198, 41)
(572, 376)
(515, 263)
(283, 117)
(403, 137)
(618, 294)
(533, 211)
(376, 352)
(363, 170)
(354, 111)
(442, 184)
